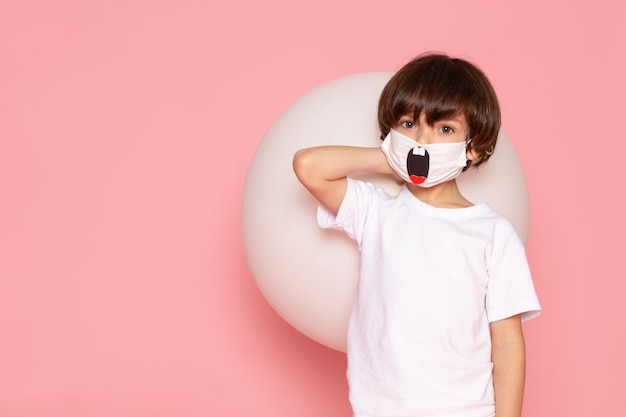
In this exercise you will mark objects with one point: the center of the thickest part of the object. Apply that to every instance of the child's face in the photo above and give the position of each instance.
(451, 129)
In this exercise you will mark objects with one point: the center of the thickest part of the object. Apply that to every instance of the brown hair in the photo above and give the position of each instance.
(441, 87)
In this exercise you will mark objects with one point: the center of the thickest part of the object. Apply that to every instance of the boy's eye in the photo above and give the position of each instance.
(446, 129)
(407, 124)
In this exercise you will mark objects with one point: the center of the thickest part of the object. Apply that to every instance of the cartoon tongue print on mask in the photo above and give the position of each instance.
(417, 164)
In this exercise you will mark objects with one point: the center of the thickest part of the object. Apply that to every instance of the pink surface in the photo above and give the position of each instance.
(126, 129)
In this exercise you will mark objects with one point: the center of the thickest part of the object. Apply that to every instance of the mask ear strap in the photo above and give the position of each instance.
(468, 163)
(489, 152)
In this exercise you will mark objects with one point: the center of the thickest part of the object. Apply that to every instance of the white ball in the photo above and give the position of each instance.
(309, 275)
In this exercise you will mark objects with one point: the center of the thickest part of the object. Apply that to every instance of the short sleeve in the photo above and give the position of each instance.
(510, 289)
(361, 197)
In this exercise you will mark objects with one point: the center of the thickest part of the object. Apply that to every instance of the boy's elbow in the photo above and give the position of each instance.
(303, 164)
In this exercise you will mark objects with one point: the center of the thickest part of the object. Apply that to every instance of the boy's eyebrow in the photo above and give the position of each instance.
(453, 118)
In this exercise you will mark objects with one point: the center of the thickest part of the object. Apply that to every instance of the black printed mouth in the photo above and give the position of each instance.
(417, 164)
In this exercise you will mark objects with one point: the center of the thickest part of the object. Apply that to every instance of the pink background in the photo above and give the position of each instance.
(126, 129)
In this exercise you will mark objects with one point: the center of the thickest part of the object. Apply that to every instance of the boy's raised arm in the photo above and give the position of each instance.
(323, 170)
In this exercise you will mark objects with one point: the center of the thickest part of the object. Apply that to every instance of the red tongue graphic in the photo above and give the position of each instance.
(417, 179)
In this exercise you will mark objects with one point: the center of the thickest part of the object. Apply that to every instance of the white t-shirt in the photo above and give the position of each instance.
(431, 281)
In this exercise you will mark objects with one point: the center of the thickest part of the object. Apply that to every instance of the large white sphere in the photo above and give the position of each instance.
(309, 275)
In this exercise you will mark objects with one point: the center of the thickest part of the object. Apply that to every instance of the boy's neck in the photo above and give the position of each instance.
(444, 195)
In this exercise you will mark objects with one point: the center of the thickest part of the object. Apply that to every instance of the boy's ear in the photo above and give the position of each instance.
(472, 154)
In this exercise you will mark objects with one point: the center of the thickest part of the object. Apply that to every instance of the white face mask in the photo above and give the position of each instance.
(425, 165)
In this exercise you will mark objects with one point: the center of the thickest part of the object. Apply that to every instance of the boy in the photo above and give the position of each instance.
(444, 284)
